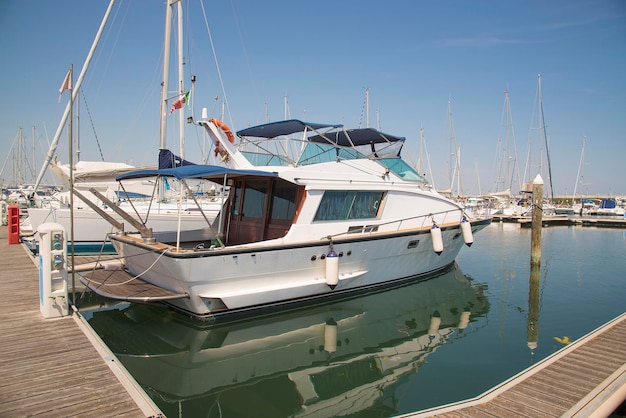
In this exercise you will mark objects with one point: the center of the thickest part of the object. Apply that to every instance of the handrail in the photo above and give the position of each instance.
(143, 230)
(463, 214)
(99, 211)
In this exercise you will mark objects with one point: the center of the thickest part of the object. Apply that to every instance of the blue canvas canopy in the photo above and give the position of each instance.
(355, 137)
(344, 138)
(284, 127)
(608, 204)
(167, 159)
(207, 172)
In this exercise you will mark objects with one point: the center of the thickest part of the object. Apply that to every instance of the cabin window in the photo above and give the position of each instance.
(283, 201)
(254, 198)
(401, 169)
(343, 205)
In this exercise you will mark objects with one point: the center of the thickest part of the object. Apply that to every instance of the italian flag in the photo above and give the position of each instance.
(182, 101)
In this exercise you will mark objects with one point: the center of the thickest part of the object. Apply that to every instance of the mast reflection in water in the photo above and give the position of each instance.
(349, 357)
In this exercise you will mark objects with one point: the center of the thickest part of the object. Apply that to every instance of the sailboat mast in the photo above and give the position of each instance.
(542, 130)
(507, 139)
(419, 159)
(166, 74)
(20, 176)
(181, 82)
(580, 168)
(32, 169)
(78, 128)
(508, 155)
(455, 158)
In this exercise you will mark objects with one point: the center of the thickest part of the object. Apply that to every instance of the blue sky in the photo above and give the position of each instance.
(414, 57)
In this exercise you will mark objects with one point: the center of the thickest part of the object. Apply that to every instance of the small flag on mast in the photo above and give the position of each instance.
(182, 101)
(67, 83)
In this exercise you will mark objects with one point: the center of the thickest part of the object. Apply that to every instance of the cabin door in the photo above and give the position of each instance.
(262, 209)
(247, 220)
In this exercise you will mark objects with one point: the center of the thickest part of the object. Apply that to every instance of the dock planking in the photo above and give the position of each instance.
(564, 220)
(50, 366)
(586, 378)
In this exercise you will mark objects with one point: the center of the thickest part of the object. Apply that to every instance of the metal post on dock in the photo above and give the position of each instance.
(537, 210)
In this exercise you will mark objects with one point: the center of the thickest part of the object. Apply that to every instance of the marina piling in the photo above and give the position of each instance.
(532, 334)
(535, 235)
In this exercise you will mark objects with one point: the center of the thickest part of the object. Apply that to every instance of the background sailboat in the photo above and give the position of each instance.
(160, 214)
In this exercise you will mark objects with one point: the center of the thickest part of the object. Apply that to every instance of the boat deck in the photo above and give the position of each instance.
(55, 367)
(119, 285)
(586, 378)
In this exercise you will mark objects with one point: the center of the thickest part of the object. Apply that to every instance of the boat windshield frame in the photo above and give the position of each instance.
(296, 143)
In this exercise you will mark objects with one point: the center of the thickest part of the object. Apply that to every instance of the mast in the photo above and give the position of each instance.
(542, 131)
(78, 128)
(508, 156)
(455, 158)
(420, 169)
(181, 82)
(32, 169)
(580, 168)
(166, 73)
(83, 71)
(507, 146)
(18, 161)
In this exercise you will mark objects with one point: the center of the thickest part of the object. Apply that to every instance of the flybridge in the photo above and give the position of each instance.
(296, 143)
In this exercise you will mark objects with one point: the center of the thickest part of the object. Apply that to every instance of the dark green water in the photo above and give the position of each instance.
(430, 343)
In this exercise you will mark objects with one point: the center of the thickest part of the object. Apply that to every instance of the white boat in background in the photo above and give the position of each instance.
(314, 211)
(607, 207)
(584, 206)
(91, 229)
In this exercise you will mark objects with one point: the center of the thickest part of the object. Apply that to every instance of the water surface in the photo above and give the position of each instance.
(413, 347)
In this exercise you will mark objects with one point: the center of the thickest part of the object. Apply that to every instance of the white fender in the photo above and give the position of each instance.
(332, 269)
(466, 228)
(435, 233)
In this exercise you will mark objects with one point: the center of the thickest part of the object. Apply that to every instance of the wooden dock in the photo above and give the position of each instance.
(55, 367)
(585, 379)
(564, 220)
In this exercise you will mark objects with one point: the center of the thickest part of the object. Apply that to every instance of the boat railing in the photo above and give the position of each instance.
(370, 228)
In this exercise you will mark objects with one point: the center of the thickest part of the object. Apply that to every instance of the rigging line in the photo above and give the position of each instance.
(98, 259)
(219, 73)
(8, 155)
(93, 127)
(100, 51)
(132, 278)
(363, 110)
(545, 136)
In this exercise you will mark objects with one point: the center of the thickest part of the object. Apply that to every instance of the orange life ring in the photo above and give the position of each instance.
(225, 129)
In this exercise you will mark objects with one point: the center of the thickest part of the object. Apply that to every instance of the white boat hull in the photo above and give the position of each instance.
(245, 278)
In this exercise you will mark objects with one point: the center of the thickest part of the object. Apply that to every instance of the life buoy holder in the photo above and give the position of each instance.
(224, 128)
(227, 132)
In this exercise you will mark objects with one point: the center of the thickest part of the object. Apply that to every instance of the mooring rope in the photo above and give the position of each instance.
(132, 278)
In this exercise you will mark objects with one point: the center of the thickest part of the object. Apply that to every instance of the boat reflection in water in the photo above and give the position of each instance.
(339, 358)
